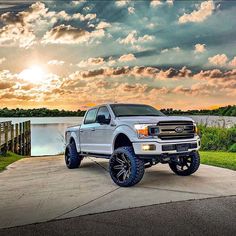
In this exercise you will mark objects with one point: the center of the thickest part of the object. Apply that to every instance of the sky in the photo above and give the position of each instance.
(75, 54)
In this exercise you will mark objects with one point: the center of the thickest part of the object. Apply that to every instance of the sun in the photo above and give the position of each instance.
(34, 74)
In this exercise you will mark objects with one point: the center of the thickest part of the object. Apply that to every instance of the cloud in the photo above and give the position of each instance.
(103, 25)
(19, 28)
(134, 40)
(175, 49)
(200, 48)
(67, 34)
(122, 3)
(204, 10)
(56, 62)
(218, 60)
(131, 10)
(97, 61)
(127, 57)
(156, 3)
(2, 60)
(233, 62)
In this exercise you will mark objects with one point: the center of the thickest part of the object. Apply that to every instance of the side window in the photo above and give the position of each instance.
(104, 111)
(91, 116)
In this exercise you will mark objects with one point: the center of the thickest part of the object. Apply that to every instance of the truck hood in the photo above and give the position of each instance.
(152, 119)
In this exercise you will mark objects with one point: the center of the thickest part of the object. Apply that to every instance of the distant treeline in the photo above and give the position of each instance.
(40, 112)
(44, 112)
(222, 111)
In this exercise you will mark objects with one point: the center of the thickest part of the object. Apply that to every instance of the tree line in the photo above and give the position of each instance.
(222, 111)
(44, 112)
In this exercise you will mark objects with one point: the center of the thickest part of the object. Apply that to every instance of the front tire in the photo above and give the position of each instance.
(72, 158)
(186, 165)
(125, 168)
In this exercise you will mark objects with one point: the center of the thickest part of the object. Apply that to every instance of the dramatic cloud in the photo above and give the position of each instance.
(2, 60)
(122, 3)
(127, 57)
(56, 62)
(200, 48)
(205, 9)
(218, 60)
(131, 10)
(233, 62)
(98, 61)
(66, 34)
(156, 3)
(134, 40)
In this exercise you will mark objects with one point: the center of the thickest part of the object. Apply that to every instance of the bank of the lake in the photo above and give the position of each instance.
(48, 132)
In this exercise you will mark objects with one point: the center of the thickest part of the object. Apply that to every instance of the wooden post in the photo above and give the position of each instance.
(17, 139)
(12, 138)
(20, 141)
(29, 139)
(6, 136)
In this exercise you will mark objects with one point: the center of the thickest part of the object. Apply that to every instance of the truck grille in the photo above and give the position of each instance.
(169, 130)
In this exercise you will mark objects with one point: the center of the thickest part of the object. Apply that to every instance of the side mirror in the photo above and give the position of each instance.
(101, 119)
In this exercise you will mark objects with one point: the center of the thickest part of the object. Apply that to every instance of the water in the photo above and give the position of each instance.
(48, 132)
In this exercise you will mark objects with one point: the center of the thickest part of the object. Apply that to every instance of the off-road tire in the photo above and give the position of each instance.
(135, 167)
(72, 158)
(192, 162)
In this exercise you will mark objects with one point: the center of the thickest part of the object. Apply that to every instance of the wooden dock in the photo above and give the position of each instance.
(15, 138)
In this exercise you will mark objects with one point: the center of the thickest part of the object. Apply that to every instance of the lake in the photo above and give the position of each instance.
(48, 132)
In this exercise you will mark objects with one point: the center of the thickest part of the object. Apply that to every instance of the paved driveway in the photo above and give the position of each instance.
(41, 189)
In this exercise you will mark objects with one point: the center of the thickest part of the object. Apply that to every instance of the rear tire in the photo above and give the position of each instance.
(72, 158)
(125, 168)
(186, 165)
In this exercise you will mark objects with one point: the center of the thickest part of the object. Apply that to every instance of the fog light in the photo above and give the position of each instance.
(148, 147)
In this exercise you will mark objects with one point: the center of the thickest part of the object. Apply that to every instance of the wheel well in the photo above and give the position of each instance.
(121, 141)
(72, 140)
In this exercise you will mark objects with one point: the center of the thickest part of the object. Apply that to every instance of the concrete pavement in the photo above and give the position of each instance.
(214, 216)
(42, 189)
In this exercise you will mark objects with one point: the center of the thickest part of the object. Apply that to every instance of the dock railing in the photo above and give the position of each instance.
(15, 138)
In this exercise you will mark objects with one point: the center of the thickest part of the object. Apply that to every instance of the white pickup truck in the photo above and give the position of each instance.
(134, 137)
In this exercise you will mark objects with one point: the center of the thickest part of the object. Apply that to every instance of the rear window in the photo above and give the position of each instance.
(135, 110)
(90, 116)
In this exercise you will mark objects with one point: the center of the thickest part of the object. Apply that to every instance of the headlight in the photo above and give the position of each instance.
(195, 129)
(146, 130)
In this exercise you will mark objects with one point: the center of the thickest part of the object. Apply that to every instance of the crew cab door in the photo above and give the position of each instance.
(87, 130)
(102, 137)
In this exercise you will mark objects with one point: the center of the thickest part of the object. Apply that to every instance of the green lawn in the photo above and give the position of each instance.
(220, 159)
(10, 158)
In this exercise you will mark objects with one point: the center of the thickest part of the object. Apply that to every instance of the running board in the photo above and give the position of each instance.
(87, 154)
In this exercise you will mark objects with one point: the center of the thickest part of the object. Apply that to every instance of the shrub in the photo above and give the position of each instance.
(217, 139)
(233, 148)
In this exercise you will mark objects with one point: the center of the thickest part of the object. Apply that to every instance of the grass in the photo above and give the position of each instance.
(10, 158)
(220, 159)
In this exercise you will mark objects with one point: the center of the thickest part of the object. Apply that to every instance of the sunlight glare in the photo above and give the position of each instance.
(34, 74)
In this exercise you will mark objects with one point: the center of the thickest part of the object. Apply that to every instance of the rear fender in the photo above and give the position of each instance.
(73, 137)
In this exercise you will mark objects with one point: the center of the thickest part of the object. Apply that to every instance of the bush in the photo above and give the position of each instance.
(217, 139)
(233, 148)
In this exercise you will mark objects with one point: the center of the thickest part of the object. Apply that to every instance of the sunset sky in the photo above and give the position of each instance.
(73, 54)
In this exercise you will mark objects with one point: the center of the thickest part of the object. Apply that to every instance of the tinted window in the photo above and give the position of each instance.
(104, 111)
(91, 116)
(134, 110)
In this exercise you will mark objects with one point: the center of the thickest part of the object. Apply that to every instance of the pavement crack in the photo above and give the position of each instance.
(99, 164)
(86, 203)
(180, 191)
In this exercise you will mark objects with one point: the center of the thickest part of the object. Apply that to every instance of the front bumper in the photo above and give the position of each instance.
(173, 147)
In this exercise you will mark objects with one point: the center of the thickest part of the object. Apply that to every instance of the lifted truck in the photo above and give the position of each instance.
(134, 137)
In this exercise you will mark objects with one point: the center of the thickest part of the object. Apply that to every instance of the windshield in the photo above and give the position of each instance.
(134, 110)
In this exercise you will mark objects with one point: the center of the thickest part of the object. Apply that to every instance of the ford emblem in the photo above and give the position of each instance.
(179, 129)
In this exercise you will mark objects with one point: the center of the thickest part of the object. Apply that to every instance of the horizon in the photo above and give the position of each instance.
(76, 54)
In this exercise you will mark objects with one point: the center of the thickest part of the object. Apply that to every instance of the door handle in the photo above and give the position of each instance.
(81, 131)
(92, 129)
